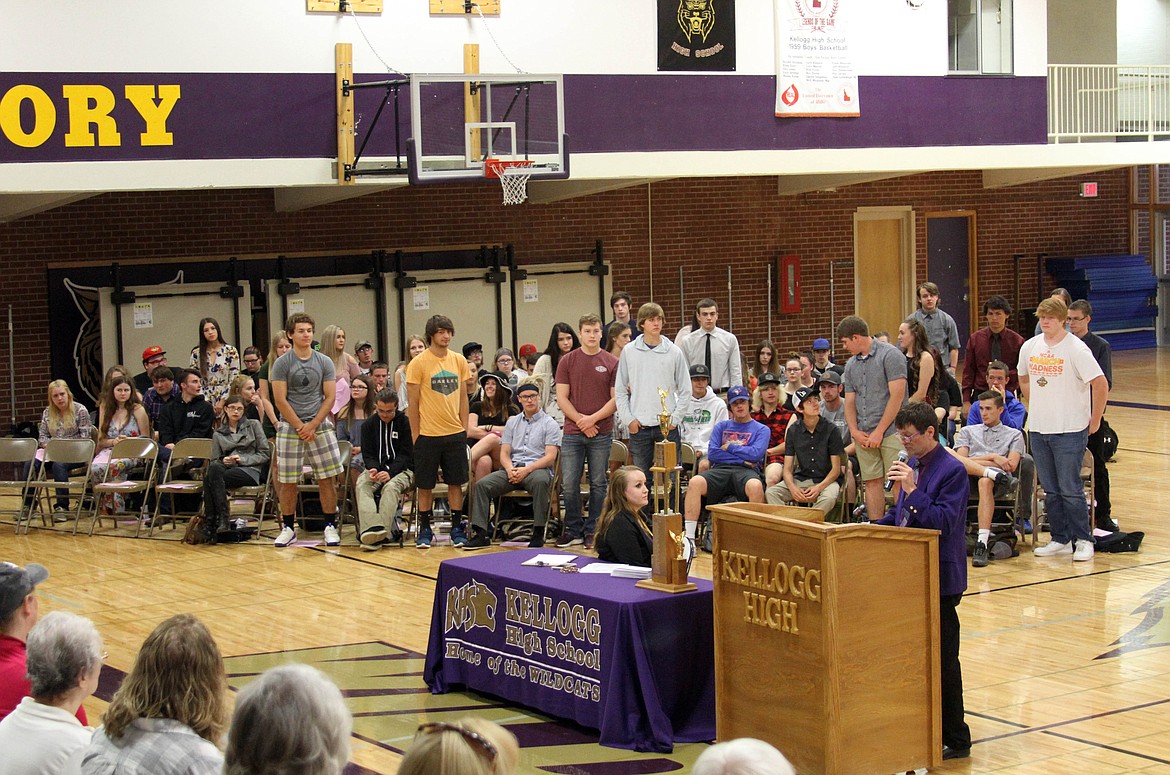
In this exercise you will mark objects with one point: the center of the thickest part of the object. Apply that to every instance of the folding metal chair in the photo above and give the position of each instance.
(143, 449)
(171, 485)
(263, 495)
(21, 453)
(517, 528)
(71, 452)
(341, 483)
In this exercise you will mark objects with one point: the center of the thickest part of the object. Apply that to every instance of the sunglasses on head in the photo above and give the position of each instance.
(474, 739)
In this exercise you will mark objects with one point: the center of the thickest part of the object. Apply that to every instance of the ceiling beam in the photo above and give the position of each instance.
(1005, 178)
(788, 185)
(548, 191)
(16, 206)
(295, 198)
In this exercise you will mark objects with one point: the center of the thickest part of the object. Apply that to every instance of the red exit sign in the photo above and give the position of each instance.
(1088, 189)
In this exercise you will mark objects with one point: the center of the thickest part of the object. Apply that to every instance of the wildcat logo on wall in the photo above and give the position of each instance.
(696, 34)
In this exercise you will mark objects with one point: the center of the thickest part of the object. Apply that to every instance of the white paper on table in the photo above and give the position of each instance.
(550, 560)
(630, 572)
(604, 568)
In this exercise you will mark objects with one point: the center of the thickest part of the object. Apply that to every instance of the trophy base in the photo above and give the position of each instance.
(664, 587)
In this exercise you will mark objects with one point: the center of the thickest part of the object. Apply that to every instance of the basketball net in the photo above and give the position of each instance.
(513, 175)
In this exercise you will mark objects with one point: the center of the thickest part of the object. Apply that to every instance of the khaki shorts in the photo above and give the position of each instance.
(875, 463)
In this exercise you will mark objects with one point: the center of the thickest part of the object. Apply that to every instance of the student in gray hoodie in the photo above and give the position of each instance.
(388, 458)
(648, 364)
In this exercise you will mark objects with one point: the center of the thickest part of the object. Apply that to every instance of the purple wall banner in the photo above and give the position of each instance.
(70, 117)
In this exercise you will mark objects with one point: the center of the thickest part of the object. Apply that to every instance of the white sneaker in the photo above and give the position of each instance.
(332, 537)
(1084, 551)
(1053, 548)
(286, 537)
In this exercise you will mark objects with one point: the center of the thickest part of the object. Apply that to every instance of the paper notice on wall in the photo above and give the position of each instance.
(815, 76)
(421, 298)
(531, 292)
(296, 305)
(143, 314)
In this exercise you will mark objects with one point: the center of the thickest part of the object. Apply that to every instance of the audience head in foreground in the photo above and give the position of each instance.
(170, 709)
(43, 733)
(292, 719)
(743, 756)
(470, 746)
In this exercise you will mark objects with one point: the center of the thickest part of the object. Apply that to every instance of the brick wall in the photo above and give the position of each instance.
(704, 225)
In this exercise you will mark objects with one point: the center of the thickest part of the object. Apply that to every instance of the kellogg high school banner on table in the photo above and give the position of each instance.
(814, 66)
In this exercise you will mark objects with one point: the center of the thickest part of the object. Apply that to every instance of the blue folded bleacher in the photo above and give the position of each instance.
(1122, 290)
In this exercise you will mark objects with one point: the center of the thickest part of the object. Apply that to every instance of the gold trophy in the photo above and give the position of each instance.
(668, 567)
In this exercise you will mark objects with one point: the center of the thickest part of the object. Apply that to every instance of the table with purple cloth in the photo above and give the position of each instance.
(634, 664)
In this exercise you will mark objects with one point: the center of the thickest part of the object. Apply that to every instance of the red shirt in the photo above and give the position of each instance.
(777, 424)
(14, 685)
(589, 379)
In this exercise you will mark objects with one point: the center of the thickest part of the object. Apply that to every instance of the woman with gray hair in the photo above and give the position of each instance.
(742, 756)
(291, 720)
(43, 734)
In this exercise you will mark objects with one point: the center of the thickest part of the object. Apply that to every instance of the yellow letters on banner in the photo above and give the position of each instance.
(90, 108)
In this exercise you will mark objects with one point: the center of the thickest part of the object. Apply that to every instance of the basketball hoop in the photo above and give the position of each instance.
(513, 175)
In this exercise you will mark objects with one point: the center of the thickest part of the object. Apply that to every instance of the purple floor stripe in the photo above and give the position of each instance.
(545, 733)
(643, 767)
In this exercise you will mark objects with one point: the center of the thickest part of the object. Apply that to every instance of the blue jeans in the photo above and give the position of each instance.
(642, 453)
(1058, 459)
(60, 474)
(576, 449)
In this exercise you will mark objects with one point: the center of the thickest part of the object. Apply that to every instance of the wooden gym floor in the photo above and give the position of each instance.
(1066, 667)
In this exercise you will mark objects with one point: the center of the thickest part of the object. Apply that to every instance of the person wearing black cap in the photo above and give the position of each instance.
(473, 352)
(812, 458)
(19, 611)
(770, 412)
(528, 455)
(704, 411)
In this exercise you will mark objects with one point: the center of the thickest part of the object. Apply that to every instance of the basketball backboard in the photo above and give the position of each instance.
(460, 120)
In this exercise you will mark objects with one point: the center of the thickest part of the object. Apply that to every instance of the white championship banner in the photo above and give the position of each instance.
(815, 76)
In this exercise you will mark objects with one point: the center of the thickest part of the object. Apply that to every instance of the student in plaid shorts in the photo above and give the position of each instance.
(303, 390)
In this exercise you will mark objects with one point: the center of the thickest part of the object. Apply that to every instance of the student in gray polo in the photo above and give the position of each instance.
(875, 389)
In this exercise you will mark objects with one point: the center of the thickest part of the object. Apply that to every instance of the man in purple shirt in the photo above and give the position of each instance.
(933, 495)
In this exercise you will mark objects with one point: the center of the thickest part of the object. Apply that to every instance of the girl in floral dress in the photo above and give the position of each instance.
(216, 361)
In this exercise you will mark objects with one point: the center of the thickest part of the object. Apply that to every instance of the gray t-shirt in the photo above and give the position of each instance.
(838, 419)
(305, 379)
(869, 377)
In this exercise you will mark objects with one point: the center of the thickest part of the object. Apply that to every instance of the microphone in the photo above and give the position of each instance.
(889, 483)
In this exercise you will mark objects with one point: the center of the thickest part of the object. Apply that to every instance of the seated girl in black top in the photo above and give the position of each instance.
(486, 419)
(622, 534)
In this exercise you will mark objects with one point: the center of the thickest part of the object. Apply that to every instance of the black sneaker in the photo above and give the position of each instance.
(1004, 483)
(537, 541)
(980, 557)
(479, 540)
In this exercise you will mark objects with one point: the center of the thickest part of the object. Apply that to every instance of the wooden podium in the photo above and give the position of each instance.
(827, 639)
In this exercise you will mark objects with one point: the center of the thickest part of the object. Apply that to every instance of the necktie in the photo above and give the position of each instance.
(707, 357)
(995, 347)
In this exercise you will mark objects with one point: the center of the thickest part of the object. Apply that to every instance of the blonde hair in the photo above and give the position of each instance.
(178, 674)
(330, 349)
(1052, 307)
(449, 751)
(616, 503)
(272, 356)
(68, 418)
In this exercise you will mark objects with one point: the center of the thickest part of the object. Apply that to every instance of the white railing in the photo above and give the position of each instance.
(1114, 102)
